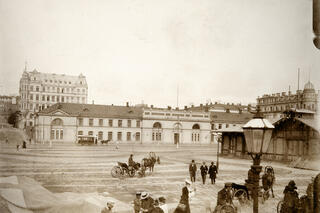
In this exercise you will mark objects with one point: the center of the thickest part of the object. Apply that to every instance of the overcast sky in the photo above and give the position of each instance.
(143, 50)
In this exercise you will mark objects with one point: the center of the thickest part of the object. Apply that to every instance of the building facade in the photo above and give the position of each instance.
(175, 126)
(64, 122)
(296, 135)
(41, 90)
(224, 116)
(273, 105)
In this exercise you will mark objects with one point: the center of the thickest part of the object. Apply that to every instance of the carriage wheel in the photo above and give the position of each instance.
(116, 172)
(279, 206)
(227, 209)
(241, 195)
(131, 172)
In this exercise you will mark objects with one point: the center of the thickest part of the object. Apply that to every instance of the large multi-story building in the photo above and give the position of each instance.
(41, 90)
(64, 122)
(273, 105)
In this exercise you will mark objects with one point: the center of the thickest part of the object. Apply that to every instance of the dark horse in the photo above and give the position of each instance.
(150, 161)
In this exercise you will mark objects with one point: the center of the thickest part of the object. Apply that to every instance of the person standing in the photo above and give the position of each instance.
(291, 198)
(204, 172)
(146, 203)
(213, 172)
(183, 206)
(193, 171)
(137, 203)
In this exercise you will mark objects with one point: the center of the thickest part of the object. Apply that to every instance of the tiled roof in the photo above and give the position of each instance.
(224, 117)
(95, 111)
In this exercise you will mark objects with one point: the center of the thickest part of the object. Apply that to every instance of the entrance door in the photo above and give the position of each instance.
(176, 138)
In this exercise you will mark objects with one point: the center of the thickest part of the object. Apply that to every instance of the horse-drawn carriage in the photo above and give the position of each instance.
(243, 193)
(123, 170)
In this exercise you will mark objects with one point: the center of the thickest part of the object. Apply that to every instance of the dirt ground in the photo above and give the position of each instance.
(86, 169)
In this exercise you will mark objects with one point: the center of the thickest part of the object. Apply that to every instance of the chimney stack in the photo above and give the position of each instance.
(127, 104)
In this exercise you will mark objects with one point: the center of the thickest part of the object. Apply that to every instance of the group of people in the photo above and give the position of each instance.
(212, 171)
(144, 203)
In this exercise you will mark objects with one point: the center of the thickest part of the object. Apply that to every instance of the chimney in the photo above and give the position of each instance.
(216, 102)
(151, 106)
(201, 106)
(127, 104)
(185, 107)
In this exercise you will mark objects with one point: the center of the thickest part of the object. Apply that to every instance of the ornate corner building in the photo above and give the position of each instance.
(274, 105)
(39, 91)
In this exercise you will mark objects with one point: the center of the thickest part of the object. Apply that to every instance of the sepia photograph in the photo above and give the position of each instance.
(160, 106)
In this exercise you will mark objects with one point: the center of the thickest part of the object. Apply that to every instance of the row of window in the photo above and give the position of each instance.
(284, 107)
(43, 106)
(129, 136)
(110, 122)
(55, 81)
(53, 89)
(219, 126)
(156, 136)
(53, 98)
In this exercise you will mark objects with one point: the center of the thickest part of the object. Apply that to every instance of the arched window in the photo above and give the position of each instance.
(157, 125)
(56, 132)
(157, 132)
(196, 126)
(195, 135)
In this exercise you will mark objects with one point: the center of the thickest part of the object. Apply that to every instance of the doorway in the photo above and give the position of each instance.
(176, 138)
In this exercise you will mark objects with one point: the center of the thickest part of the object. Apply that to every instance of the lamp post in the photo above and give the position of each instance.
(257, 132)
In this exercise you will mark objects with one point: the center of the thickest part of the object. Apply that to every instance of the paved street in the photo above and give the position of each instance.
(86, 169)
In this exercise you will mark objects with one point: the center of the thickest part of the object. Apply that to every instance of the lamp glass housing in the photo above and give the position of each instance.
(258, 132)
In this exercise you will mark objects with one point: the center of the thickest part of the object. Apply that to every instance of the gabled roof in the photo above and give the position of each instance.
(94, 111)
(313, 123)
(224, 117)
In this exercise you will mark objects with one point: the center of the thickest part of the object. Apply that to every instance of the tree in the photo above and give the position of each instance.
(14, 118)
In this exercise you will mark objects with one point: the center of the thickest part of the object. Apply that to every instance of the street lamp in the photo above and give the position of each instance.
(257, 132)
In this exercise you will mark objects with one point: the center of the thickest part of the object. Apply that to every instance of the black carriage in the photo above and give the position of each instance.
(123, 170)
(243, 193)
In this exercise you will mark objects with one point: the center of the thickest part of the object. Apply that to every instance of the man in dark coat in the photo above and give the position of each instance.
(224, 196)
(204, 172)
(130, 161)
(146, 202)
(291, 198)
(213, 172)
(193, 171)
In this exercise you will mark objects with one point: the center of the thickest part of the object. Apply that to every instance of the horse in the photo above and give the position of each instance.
(149, 162)
(268, 180)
